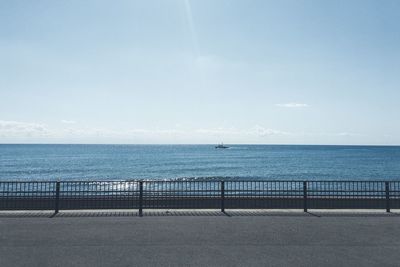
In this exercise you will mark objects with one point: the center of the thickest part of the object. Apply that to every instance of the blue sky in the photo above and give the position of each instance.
(200, 71)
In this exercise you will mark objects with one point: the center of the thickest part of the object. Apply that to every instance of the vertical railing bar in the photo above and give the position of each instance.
(57, 200)
(222, 196)
(387, 186)
(305, 208)
(141, 198)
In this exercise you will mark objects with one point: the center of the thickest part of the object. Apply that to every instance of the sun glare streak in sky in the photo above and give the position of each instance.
(192, 29)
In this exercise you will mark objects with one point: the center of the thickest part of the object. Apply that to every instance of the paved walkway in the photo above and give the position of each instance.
(206, 238)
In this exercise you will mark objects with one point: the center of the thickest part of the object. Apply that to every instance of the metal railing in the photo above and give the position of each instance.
(153, 194)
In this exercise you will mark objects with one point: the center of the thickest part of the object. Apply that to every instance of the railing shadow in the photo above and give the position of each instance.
(193, 213)
(27, 214)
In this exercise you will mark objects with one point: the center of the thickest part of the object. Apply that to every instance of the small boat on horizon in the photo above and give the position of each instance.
(221, 146)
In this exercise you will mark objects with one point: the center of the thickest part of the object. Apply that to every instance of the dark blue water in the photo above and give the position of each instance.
(95, 162)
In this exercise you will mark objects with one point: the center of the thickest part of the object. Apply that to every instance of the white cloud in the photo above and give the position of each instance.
(293, 105)
(257, 130)
(14, 131)
(346, 134)
(153, 132)
(23, 129)
(261, 131)
(68, 121)
(31, 132)
(217, 131)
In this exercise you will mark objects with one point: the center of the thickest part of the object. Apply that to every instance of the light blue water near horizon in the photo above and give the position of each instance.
(241, 162)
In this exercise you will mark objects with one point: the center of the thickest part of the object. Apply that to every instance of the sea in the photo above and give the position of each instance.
(190, 162)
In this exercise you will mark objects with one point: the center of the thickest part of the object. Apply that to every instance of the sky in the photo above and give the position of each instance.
(200, 71)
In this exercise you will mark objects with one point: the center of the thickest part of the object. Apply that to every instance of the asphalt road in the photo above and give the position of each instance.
(200, 239)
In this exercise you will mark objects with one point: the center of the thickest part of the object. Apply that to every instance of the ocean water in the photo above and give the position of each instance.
(241, 162)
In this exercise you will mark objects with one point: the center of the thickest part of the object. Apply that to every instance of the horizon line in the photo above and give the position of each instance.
(205, 144)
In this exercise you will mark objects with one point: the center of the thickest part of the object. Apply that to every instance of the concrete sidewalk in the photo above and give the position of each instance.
(201, 238)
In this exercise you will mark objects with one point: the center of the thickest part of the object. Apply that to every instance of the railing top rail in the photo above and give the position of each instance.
(200, 181)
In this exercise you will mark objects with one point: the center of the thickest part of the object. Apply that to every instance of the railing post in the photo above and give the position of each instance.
(222, 196)
(305, 196)
(387, 196)
(141, 198)
(57, 201)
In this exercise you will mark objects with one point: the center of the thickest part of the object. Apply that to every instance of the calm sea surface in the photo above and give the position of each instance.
(96, 162)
